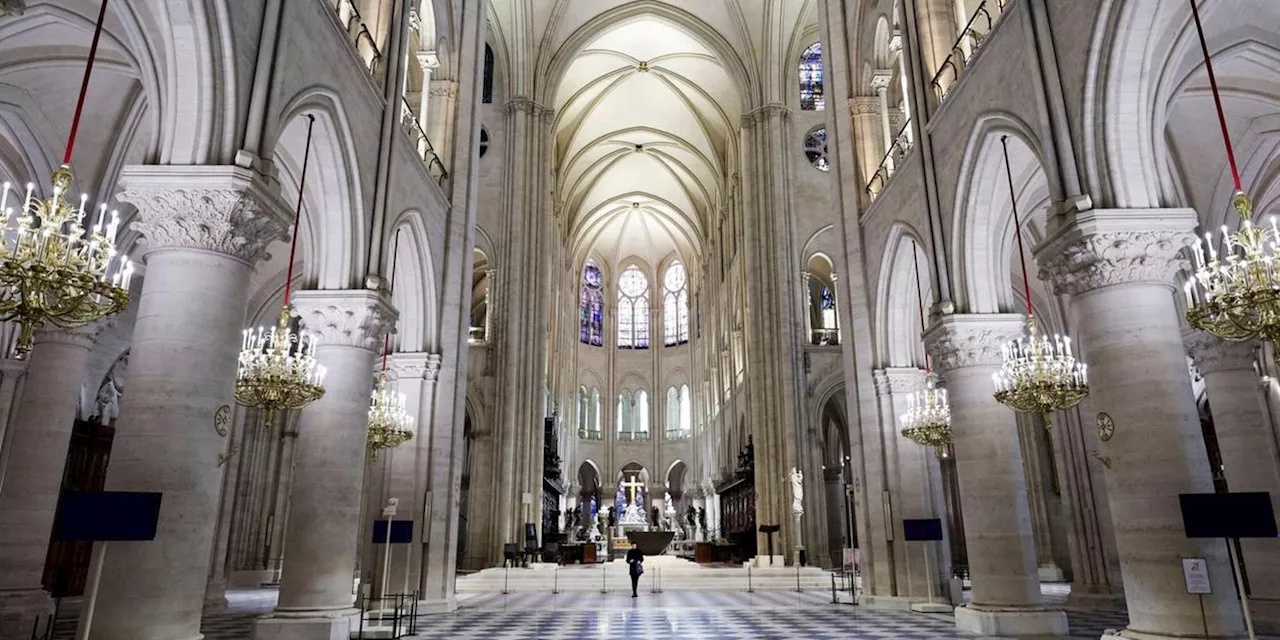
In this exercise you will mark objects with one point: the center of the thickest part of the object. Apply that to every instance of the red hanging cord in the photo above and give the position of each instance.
(1017, 225)
(297, 214)
(84, 85)
(386, 342)
(915, 260)
(1217, 100)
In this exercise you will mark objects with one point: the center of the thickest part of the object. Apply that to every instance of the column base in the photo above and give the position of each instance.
(320, 625)
(1051, 573)
(20, 610)
(1010, 621)
(888, 603)
(438, 605)
(931, 607)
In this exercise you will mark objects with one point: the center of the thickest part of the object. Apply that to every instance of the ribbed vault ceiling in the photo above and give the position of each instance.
(645, 119)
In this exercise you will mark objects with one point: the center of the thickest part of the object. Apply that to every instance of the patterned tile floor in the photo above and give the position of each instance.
(719, 615)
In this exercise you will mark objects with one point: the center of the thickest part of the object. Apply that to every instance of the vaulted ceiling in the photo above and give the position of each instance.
(645, 119)
(648, 97)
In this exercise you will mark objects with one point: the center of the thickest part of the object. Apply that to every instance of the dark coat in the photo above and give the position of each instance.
(636, 559)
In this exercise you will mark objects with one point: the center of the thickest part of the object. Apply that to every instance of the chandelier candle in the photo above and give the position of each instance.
(53, 271)
(278, 370)
(927, 420)
(390, 425)
(1039, 375)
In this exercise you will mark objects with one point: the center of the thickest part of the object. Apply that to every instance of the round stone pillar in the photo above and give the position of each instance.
(324, 527)
(1248, 453)
(1117, 266)
(997, 519)
(205, 227)
(38, 443)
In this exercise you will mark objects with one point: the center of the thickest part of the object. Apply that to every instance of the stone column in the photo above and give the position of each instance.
(440, 119)
(879, 551)
(1118, 268)
(11, 371)
(1248, 452)
(40, 436)
(880, 82)
(870, 144)
(1030, 429)
(440, 472)
(429, 62)
(316, 585)
(913, 496)
(205, 226)
(997, 521)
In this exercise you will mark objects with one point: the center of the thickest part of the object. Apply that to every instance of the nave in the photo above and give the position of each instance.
(727, 615)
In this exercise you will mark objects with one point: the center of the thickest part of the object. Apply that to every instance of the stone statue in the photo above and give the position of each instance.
(797, 492)
(668, 507)
(107, 403)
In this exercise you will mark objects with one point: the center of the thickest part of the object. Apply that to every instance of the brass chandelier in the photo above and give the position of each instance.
(277, 368)
(390, 424)
(927, 420)
(51, 270)
(1039, 375)
(1235, 294)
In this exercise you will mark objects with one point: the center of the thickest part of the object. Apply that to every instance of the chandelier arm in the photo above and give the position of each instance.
(84, 84)
(1217, 99)
(1017, 224)
(297, 213)
(915, 261)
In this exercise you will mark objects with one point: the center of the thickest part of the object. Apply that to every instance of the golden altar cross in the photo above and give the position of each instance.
(631, 485)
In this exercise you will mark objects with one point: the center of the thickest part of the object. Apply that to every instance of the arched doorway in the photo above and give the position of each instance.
(837, 478)
(675, 509)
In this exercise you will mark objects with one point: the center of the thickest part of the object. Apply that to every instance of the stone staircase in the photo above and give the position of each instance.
(668, 573)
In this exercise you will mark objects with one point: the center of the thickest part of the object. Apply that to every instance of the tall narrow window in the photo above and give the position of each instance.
(486, 90)
(593, 419)
(686, 411)
(626, 427)
(633, 309)
(811, 94)
(640, 418)
(673, 413)
(591, 306)
(675, 305)
(582, 412)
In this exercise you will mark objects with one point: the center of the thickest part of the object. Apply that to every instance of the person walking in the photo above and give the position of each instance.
(635, 558)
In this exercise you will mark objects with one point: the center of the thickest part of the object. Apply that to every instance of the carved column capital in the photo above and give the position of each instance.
(225, 209)
(864, 106)
(904, 379)
(971, 340)
(1102, 248)
(413, 366)
(880, 79)
(352, 318)
(1212, 354)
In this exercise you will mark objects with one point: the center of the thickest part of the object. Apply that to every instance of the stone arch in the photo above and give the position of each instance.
(414, 294)
(897, 316)
(337, 237)
(985, 249)
(1141, 53)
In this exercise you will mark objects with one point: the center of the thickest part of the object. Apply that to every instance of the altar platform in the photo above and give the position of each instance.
(674, 574)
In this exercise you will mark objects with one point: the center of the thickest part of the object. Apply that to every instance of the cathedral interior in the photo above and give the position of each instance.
(330, 319)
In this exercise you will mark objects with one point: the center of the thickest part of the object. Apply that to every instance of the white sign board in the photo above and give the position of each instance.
(1196, 574)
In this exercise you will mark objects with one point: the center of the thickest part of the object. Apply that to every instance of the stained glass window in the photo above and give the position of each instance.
(815, 149)
(633, 309)
(811, 95)
(591, 306)
(675, 305)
